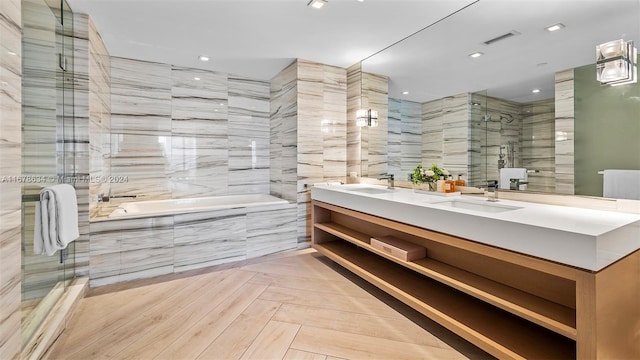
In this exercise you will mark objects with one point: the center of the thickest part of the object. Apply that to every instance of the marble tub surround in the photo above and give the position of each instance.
(308, 133)
(140, 127)
(584, 238)
(128, 249)
(10, 146)
(173, 136)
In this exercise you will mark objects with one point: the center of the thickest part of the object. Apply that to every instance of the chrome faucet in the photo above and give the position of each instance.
(389, 178)
(492, 184)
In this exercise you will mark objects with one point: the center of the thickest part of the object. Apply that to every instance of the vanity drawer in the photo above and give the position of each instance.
(398, 248)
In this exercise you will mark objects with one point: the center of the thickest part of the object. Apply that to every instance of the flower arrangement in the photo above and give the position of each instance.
(421, 175)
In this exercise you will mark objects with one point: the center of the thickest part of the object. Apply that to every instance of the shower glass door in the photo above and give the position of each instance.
(47, 123)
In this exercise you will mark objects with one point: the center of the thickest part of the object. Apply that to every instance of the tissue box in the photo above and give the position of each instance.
(398, 248)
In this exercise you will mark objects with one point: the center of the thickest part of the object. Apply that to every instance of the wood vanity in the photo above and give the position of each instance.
(508, 303)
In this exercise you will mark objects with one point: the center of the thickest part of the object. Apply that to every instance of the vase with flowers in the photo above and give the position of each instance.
(428, 176)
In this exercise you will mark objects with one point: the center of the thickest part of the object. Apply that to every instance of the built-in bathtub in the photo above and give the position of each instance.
(157, 237)
(183, 206)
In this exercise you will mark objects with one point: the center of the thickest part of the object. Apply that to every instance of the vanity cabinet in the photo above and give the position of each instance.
(509, 304)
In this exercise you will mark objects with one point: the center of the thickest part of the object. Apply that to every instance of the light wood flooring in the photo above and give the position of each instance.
(296, 305)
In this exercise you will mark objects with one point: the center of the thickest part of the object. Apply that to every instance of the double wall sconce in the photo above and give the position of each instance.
(617, 63)
(367, 117)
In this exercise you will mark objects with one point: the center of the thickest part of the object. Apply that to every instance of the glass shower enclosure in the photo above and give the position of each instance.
(47, 153)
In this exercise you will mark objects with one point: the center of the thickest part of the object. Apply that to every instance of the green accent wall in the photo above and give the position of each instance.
(607, 129)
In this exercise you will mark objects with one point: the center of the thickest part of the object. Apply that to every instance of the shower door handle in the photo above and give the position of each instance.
(62, 62)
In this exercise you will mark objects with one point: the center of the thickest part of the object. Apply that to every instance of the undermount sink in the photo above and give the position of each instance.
(477, 206)
(370, 190)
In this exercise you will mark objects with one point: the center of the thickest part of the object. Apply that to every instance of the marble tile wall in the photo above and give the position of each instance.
(445, 134)
(405, 137)
(128, 249)
(375, 140)
(140, 128)
(199, 154)
(283, 146)
(99, 87)
(249, 132)
(564, 132)
(354, 101)
(189, 132)
(308, 133)
(321, 133)
(538, 144)
(10, 147)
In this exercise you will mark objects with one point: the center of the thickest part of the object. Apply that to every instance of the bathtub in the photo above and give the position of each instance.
(190, 205)
(158, 237)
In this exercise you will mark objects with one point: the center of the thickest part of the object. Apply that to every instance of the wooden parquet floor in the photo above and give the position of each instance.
(295, 305)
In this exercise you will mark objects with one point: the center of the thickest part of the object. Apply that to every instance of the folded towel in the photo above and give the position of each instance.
(621, 184)
(56, 219)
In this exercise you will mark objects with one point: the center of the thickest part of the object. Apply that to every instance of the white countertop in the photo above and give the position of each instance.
(585, 238)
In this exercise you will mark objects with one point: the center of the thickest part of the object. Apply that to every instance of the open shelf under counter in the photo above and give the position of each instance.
(510, 304)
(556, 317)
(493, 330)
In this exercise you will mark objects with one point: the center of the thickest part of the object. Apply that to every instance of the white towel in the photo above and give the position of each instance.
(621, 184)
(506, 174)
(56, 219)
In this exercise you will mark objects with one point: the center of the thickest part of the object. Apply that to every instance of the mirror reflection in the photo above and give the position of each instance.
(530, 101)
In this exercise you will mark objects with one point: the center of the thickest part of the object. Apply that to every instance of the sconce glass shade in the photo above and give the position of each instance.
(362, 117)
(616, 63)
(367, 117)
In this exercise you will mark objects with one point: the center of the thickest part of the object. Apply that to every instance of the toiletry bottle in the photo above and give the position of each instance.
(440, 184)
(449, 185)
(460, 181)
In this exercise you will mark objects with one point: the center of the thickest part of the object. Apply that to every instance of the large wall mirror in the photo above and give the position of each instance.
(528, 99)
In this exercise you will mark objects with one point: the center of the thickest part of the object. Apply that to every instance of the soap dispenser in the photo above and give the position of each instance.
(440, 184)
(449, 185)
(460, 181)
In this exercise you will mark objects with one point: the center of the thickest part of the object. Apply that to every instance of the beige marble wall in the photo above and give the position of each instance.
(99, 71)
(284, 134)
(10, 147)
(405, 137)
(181, 132)
(354, 102)
(445, 134)
(308, 133)
(564, 132)
(538, 144)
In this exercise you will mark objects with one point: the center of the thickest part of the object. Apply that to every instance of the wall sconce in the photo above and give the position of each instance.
(617, 63)
(366, 117)
(317, 4)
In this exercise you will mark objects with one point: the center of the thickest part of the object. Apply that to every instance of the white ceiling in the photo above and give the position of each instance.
(258, 38)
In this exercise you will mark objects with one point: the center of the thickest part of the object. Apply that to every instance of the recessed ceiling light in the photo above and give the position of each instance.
(554, 27)
(221, 104)
(535, 91)
(196, 78)
(203, 58)
(405, 93)
(360, 0)
(12, 53)
(475, 104)
(476, 54)
(317, 4)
